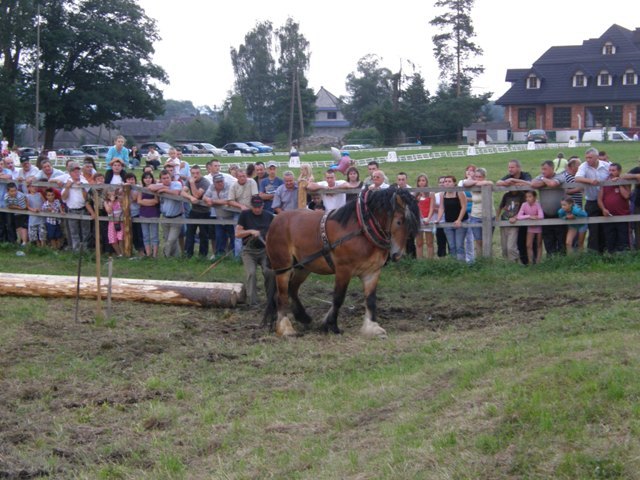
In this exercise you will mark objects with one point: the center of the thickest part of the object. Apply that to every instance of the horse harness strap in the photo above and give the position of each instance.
(327, 246)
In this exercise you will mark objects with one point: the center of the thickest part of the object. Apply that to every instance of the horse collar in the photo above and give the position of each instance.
(370, 225)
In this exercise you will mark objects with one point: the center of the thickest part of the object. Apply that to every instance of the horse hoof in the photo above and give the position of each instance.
(284, 328)
(375, 331)
(325, 328)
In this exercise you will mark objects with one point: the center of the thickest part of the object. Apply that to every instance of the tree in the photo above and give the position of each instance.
(454, 48)
(368, 89)
(235, 124)
(179, 108)
(254, 69)
(96, 64)
(414, 109)
(17, 19)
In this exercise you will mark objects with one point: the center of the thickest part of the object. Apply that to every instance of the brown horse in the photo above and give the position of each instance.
(354, 240)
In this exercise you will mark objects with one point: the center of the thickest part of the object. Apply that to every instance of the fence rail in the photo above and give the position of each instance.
(488, 222)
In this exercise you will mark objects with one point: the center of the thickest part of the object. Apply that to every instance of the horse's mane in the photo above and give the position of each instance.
(382, 200)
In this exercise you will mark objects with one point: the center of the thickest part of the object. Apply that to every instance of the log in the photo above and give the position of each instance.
(202, 294)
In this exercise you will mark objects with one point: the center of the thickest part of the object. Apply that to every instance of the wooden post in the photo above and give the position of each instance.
(109, 283)
(126, 219)
(96, 234)
(302, 193)
(487, 221)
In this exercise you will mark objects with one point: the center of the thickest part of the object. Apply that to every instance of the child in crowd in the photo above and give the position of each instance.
(37, 225)
(149, 208)
(531, 210)
(54, 230)
(116, 228)
(134, 208)
(316, 202)
(570, 211)
(16, 200)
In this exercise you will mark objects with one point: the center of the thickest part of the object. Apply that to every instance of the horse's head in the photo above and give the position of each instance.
(404, 221)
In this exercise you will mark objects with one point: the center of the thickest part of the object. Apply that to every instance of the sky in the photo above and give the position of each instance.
(197, 36)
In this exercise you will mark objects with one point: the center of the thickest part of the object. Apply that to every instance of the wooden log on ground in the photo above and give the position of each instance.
(202, 294)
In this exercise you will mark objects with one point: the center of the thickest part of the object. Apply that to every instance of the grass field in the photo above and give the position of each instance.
(489, 371)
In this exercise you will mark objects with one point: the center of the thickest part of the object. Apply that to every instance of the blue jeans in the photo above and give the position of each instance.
(224, 233)
(150, 236)
(455, 239)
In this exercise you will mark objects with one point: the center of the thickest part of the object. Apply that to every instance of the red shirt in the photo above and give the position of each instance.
(614, 201)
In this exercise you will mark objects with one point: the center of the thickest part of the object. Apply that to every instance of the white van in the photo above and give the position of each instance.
(598, 136)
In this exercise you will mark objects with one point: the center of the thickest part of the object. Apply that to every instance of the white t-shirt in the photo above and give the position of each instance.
(332, 200)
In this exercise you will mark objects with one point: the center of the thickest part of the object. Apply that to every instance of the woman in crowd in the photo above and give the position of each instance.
(426, 206)
(453, 209)
(353, 181)
(149, 208)
(479, 179)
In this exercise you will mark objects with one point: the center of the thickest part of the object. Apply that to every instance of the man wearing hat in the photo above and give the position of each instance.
(269, 185)
(217, 197)
(75, 198)
(116, 172)
(26, 171)
(252, 228)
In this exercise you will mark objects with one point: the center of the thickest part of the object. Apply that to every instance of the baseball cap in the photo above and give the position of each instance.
(256, 201)
(272, 164)
(24, 159)
(218, 177)
(74, 166)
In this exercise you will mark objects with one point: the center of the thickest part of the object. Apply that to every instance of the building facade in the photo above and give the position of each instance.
(570, 89)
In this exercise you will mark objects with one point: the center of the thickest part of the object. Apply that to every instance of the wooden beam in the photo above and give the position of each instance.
(202, 294)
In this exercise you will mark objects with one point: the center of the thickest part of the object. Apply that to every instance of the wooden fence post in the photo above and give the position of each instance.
(302, 194)
(487, 220)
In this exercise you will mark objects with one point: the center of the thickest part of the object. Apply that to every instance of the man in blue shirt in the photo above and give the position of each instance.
(118, 151)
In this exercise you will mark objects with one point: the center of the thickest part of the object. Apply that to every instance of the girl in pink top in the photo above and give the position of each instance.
(531, 210)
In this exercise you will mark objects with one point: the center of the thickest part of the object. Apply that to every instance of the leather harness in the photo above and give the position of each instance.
(369, 226)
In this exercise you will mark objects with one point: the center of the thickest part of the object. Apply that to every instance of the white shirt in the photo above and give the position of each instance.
(332, 200)
(75, 199)
(600, 173)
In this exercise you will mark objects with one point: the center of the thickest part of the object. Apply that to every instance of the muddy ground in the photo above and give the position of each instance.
(42, 402)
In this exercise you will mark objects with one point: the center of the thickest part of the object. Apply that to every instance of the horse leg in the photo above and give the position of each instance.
(283, 324)
(330, 322)
(370, 328)
(299, 312)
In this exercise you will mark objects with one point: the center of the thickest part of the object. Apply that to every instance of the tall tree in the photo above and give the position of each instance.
(17, 19)
(369, 88)
(293, 62)
(414, 108)
(96, 64)
(254, 70)
(454, 46)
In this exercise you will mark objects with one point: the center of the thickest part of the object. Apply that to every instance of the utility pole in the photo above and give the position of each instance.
(37, 119)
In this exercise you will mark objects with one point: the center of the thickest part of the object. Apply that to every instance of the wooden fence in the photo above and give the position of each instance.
(487, 191)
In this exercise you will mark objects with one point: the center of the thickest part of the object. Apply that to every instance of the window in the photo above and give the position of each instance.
(608, 49)
(332, 115)
(533, 82)
(630, 78)
(601, 116)
(562, 117)
(604, 79)
(579, 80)
(526, 118)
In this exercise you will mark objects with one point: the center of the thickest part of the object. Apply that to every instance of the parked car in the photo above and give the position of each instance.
(211, 149)
(161, 147)
(28, 152)
(96, 151)
(243, 147)
(187, 148)
(537, 136)
(70, 152)
(353, 146)
(612, 136)
(262, 148)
